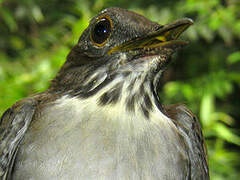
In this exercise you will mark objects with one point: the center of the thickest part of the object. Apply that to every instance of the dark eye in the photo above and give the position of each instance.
(101, 31)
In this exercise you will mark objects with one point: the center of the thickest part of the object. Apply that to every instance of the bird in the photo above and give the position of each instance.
(102, 117)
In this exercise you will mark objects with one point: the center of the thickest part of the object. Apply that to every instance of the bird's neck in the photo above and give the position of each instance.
(132, 88)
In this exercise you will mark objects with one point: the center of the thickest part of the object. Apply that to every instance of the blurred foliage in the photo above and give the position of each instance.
(36, 36)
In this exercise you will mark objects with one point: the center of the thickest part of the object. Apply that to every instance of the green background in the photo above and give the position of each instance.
(36, 35)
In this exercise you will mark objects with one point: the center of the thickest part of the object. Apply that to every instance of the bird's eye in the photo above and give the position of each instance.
(101, 31)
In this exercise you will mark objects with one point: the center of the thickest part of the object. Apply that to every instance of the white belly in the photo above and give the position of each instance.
(78, 140)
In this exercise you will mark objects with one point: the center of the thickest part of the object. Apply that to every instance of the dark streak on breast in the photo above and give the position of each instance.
(84, 92)
(131, 85)
(111, 96)
(130, 104)
(148, 102)
(145, 111)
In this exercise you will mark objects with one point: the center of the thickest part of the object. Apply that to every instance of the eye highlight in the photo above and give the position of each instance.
(101, 31)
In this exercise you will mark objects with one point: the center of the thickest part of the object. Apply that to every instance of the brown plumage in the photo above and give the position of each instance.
(101, 118)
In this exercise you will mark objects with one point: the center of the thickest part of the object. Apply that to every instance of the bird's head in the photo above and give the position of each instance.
(118, 44)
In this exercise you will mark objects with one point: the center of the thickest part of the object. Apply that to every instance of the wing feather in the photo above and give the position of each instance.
(13, 125)
(190, 128)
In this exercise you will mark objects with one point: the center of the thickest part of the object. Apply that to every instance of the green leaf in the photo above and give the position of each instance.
(226, 134)
(8, 19)
(234, 57)
(221, 116)
(1, 1)
(17, 42)
(206, 109)
(37, 14)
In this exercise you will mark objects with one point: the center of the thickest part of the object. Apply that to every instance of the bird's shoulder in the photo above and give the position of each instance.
(13, 125)
(184, 118)
(190, 128)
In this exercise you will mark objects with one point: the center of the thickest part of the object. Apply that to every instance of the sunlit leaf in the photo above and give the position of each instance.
(37, 14)
(234, 57)
(221, 116)
(206, 109)
(226, 134)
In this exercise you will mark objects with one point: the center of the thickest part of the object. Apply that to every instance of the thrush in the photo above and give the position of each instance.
(101, 117)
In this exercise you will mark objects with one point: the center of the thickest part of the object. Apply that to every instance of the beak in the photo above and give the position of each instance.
(165, 37)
